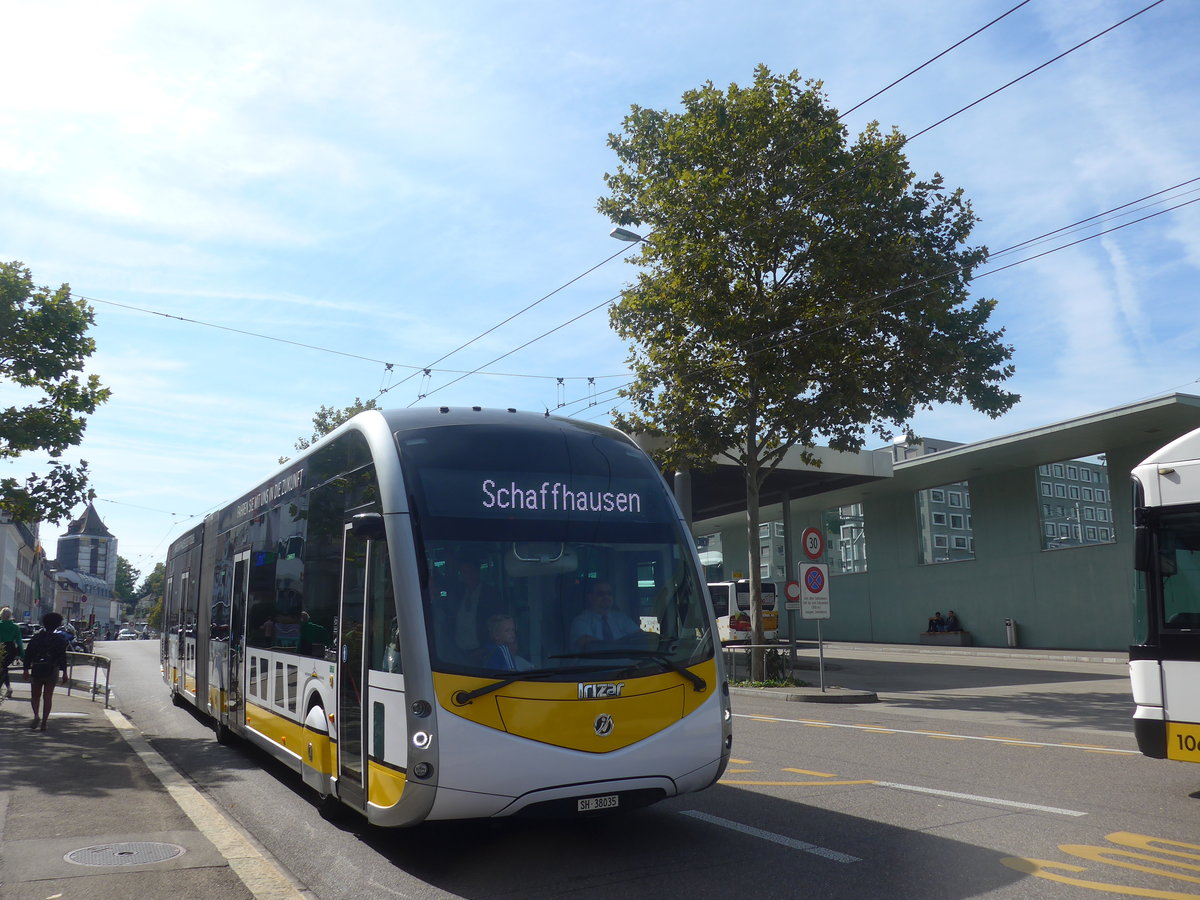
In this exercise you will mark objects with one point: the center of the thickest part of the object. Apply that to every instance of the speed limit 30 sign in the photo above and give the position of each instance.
(813, 543)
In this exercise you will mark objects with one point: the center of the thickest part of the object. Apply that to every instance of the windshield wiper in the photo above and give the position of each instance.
(462, 698)
(657, 655)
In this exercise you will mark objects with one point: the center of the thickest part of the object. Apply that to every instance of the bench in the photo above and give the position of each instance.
(945, 638)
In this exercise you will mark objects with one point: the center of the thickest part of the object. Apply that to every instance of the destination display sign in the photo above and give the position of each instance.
(533, 495)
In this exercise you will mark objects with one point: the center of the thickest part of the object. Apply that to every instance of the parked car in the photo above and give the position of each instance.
(127, 634)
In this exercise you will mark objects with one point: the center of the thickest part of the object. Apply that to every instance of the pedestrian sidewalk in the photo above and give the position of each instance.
(89, 810)
(870, 668)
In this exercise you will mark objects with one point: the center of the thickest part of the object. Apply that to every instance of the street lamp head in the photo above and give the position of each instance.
(624, 234)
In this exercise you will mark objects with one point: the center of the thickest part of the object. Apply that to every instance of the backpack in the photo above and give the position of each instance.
(40, 656)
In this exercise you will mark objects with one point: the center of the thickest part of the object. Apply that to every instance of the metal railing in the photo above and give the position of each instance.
(97, 664)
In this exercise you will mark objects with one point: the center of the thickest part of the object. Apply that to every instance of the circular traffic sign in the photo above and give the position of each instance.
(792, 589)
(813, 543)
(814, 580)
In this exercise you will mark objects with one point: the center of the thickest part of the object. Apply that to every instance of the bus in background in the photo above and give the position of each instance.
(1164, 666)
(731, 605)
(456, 613)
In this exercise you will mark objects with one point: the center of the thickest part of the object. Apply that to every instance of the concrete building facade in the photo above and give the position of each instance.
(989, 502)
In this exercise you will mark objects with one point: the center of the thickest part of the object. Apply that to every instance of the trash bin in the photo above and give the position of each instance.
(1010, 629)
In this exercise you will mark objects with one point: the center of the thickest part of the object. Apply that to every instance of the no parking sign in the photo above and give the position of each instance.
(814, 591)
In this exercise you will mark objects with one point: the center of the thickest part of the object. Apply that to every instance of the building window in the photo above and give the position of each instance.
(1062, 526)
(935, 544)
(845, 530)
(708, 546)
(1047, 489)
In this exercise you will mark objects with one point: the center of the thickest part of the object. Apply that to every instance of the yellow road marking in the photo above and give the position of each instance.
(739, 762)
(1164, 865)
(808, 772)
(946, 737)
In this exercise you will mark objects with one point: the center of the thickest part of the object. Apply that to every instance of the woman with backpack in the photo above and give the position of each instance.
(45, 657)
(11, 640)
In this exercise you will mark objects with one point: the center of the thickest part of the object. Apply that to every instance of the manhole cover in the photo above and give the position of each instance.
(130, 853)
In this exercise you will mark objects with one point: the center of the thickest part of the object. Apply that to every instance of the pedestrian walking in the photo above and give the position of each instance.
(45, 658)
(13, 648)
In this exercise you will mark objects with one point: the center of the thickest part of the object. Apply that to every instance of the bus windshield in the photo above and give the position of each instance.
(552, 557)
(1178, 565)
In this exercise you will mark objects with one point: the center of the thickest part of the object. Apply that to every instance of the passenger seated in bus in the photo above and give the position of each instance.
(600, 621)
(501, 652)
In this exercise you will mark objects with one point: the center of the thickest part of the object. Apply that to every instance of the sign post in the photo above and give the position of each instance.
(814, 601)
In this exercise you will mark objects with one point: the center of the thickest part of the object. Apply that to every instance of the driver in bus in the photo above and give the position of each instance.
(600, 621)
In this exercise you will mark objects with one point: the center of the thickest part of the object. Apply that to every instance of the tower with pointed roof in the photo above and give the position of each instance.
(89, 547)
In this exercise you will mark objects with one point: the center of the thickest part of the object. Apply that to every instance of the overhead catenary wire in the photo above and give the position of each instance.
(316, 347)
(816, 191)
(621, 252)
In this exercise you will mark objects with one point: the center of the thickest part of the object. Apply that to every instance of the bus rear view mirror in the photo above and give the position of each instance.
(368, 526)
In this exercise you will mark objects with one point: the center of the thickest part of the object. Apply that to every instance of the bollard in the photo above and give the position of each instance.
(1010, 628)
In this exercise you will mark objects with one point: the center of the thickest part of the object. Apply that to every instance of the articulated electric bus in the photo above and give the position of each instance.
(1165, 666)
(440, 614)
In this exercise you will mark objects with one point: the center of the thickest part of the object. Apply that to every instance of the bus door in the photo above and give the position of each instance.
(227, 641)
(351, 768)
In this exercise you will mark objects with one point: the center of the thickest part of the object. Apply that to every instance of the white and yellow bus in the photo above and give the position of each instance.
(344, 616)
(1164, 665)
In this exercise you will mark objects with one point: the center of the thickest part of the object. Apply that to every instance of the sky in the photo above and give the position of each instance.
(278, 206)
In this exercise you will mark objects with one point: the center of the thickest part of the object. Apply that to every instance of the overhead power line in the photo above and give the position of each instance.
(320, 349)
(621, 252)
(818, 190)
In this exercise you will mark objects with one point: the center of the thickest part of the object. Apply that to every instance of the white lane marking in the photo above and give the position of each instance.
(261, 876)
(792, 843)
(975, 797)
(963, 737)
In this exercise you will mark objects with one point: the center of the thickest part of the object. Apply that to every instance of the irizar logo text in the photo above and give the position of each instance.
(600, 691)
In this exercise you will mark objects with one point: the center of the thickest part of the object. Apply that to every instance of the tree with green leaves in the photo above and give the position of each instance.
(796, 287)
(328, 418)
(44, 344)
(126, 585)
(152, 584)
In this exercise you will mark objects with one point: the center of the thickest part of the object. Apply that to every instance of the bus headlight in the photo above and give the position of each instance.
(422, 770)
(421, 708)
(422, 739)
